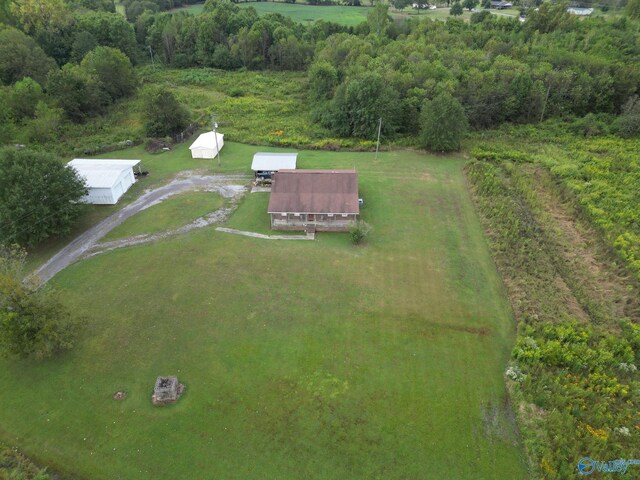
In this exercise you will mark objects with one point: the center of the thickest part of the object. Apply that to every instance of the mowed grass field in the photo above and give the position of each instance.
(302, 13)
(301, 359)
(342, 14)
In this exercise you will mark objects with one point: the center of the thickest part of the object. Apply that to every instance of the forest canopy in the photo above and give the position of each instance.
(498, 69)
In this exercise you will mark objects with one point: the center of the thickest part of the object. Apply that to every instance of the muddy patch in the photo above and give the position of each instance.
(499, 422)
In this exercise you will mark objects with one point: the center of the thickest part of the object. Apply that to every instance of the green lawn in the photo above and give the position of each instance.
(172, 213)
(301, 359)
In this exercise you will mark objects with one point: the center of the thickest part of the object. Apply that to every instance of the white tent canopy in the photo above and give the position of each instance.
(207, 145)
(273, 162)
(107, 179)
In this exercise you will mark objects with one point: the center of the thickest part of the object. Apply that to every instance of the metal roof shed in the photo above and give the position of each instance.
(207, 145)
(107, 179)
(266, 164)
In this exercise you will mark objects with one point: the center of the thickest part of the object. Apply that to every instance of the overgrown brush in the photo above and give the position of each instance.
(573, 380)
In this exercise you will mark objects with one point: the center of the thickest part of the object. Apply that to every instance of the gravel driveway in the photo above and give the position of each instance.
(226, 185)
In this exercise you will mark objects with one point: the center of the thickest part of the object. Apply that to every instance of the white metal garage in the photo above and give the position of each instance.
(207, 145)
(107, 179)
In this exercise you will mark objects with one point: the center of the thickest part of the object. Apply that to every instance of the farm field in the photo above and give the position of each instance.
(340, 14)
(316, 359)
(343, 15)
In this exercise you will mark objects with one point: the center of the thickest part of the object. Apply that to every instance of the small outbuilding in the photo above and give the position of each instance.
(314, 200)
(107, 179)
(264, 165)
(583, 12)
(207, 145)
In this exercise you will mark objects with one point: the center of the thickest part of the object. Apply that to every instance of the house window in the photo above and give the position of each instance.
(330, 214)
(296, 214)
(283, 214)
(344, 215)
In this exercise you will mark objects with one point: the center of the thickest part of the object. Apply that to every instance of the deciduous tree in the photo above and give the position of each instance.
(400, 4)
(163, 114)
(456, 9)
(113, 69)
(77, 92)
(82, 44)
(443, 123)
(21, 56)
(359, 104)
(470, 4)
(39, 15)
(378, 19)
(111, 30)
(323, 79)
(25, 95)
(38, 196)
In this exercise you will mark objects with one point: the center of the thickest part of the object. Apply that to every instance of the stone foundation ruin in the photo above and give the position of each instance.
(166, 390)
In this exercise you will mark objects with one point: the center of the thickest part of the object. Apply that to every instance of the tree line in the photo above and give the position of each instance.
(498, 69)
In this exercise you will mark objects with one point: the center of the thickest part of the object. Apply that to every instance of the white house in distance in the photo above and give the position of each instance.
(264, 165)
(107, 180)
(583, 12)
(207, 145)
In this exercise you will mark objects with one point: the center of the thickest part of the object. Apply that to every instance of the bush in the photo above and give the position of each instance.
(164, 115)
(15, 466)
(236, 92)
(33, 320)
(359, 232)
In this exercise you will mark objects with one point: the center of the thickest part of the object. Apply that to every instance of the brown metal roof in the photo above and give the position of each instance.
(314, 191)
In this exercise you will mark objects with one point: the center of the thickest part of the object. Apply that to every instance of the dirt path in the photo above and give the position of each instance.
(226, 185)
(308, 236)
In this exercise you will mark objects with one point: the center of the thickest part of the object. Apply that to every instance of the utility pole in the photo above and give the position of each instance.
(215, 134)
(151, 54)
(378, 143)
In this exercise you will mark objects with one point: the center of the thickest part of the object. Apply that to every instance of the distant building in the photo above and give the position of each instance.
(264, 165)
(500, 5)
(207, 145)
(314, 200)
(583, 12)
(107, 180)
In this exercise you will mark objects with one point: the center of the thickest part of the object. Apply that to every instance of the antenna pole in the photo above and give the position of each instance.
(215, 134)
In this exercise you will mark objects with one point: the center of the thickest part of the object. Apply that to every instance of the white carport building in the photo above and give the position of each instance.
(266, 164)
(107, 180)
(207, 145)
